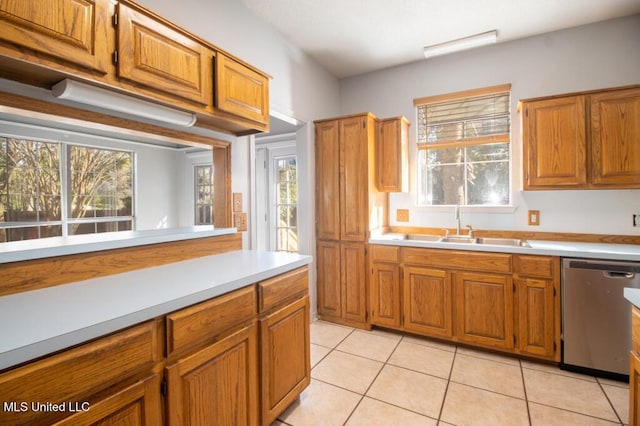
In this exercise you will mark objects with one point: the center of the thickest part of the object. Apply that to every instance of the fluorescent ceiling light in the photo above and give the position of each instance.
(91, 95)
(470, 42)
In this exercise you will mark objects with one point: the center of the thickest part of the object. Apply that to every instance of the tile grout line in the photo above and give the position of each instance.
(524, 388)
(446, 389)
(374, 379)
(609, 401)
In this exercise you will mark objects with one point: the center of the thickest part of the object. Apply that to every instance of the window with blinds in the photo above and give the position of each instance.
(463, 147)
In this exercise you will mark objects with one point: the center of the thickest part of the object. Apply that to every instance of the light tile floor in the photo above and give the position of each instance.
(381, 378)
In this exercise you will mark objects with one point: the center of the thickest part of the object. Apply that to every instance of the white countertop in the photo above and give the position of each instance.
(628, 252)
(61, 246)
(632, 295)
(39, 322)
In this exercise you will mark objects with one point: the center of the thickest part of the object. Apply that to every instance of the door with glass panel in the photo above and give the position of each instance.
(278, 193)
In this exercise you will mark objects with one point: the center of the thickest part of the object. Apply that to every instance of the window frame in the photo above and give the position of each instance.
(464, 143)
(66, 220)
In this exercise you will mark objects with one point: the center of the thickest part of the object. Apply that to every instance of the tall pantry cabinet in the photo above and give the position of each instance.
(348, 207)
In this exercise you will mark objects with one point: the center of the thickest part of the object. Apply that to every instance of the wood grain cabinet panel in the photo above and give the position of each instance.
(353, 278)
(615, 138)
(555, 143)
(353, 179)
(536, 313)
(384, 288)
(285, 357)
(240, 90)
(328, 180)
(217, 385)
(328, 279)
(634, 389)
(392, 153)
(283, 288)
(71, 31)
(427, 301)
(484, 309)
(162, 58)
(138, 404)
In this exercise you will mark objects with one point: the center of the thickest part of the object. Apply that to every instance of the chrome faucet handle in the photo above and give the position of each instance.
(446, 232)
(470, 230)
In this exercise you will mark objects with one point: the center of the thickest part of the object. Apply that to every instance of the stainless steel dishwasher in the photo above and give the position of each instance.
(596, 318)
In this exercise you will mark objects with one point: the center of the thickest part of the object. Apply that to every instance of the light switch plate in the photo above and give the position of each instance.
(237, 202)
(534, 217)
(402, 215)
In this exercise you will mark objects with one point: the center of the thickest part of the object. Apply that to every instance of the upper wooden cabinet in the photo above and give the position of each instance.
(392, 146)
(615, 138)
(155, 55)
(124, 47)
(58, 31)
(586, 140)
(240, 90)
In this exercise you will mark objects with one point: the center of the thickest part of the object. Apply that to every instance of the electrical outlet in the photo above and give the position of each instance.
(240, 221)
(237, 202)
(534, 217)
(402, 215)
(636, 220)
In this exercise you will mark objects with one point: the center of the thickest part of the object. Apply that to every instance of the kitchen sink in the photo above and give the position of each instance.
(461, 239)
(465, 239)
(515, 242)
(424, 237)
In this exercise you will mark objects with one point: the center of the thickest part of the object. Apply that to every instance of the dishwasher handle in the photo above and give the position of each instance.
(616, 275)
(612, 270)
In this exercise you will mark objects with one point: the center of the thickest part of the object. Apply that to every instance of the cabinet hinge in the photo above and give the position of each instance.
(555, 346)
(115, 20)
(163, 387)
(526, 112)
(115, 57)
(363, 124)
(554, 292)
(514, 340)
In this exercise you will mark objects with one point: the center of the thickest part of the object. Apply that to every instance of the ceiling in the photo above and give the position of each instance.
(351, 37)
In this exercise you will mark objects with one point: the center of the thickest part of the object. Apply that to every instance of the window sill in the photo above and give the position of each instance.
(466, 209)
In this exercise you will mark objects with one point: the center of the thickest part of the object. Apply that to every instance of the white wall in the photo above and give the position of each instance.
(596, 56)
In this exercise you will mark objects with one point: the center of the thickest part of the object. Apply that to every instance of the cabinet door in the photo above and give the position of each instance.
(240, 90)
(217, 385)
(392, 152)
(285, 357)
(385, 294)
(73, 31)
(328, 180)
(138, 404)
(615, 138)
(536, 309)
(554, 143)
(354, 181)
(328, 279)
(353, 282)
(427, 301)
(484, 309)
(634, 389)
(161, 58)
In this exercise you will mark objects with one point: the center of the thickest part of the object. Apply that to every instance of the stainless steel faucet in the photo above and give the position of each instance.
(457, 213)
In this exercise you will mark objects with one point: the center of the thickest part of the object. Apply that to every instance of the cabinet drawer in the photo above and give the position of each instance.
(385, 254)
(76, 374)
(285, 287)
(458, 259)
(535, 266)
(203, 322)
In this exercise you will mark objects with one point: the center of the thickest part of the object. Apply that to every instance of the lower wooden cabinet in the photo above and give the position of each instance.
(238, 359)
(285, 357)
(342, 282)
(96, 374)
(484, 309)
(427, 306)
(634, 369)
(498, 301)
(138, 404)
(216, 385)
